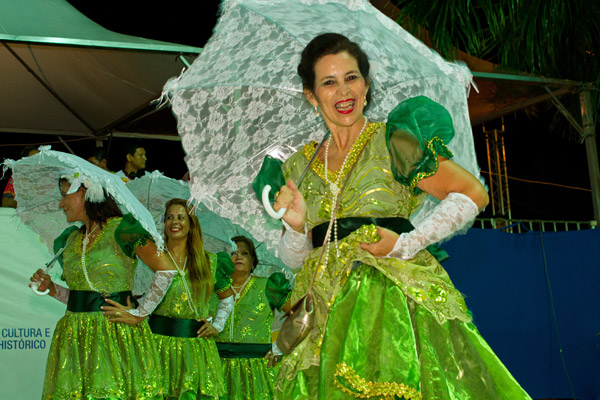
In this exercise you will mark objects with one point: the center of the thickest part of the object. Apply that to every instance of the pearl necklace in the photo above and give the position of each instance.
(237, 294)
(86, 241)
(236, 297)
(335, 185)
(335, 189)
(184, 282)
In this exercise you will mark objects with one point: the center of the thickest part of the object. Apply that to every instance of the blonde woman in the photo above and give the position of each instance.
(189, 359)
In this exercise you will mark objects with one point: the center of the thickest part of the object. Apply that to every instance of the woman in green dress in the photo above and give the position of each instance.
(189, 360)
(91, 357)
(388, 321)
(246, 338)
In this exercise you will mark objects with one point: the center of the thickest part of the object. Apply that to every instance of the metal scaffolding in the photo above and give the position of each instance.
(498, 173)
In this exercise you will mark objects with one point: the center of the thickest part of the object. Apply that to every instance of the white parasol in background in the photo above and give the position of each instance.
(242, 98)
(37, 192)
(155, 189)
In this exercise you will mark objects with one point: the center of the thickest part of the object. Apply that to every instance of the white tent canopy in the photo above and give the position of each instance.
(63, 74)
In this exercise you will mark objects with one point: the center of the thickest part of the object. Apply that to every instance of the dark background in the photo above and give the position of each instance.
(537, 149)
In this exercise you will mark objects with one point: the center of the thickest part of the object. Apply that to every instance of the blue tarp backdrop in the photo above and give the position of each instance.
(530, 295)
(504, 277)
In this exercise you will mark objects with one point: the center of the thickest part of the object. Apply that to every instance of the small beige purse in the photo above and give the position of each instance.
(300, 319)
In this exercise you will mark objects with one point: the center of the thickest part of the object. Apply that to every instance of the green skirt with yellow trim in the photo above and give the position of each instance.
(379, 344)
(191, 368)
(91, 358)
(248, 379)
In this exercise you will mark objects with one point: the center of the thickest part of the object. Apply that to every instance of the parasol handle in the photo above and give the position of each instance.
(267, 204)
(35, 285)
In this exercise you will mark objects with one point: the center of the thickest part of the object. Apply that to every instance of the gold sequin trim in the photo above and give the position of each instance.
(319, 167)
(224, 288)
(350, 382)
(422, 175)
(248, 286)
(79, 239)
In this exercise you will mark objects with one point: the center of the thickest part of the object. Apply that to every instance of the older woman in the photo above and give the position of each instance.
(389, 322)
(246, 338)
(189, 360)
(90, 357)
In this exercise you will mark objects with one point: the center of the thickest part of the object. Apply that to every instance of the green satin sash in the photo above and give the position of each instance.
(90, 301)
(243, 350)
(348, 225)
(177, 327)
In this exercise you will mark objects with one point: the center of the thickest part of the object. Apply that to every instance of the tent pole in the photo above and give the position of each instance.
(589, 138)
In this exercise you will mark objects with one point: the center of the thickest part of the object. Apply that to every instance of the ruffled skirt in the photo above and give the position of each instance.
(191, 368)
(91, 358)
(379, 343)
(248, 379)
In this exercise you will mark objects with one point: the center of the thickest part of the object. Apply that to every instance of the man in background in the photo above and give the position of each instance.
(135, 162)
(98, 158)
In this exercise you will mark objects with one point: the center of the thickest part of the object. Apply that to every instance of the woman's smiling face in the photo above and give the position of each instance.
(177, 222)
(340, 90)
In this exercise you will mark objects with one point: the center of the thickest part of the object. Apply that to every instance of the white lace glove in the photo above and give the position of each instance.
(294, 246)
(160, 284)
(454, 213)
(276, 351)
(62, 293)
(225, 307)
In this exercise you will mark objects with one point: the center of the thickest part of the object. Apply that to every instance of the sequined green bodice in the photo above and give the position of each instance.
(176, 303)
(108, 268)
(371, 189)
(252, 318)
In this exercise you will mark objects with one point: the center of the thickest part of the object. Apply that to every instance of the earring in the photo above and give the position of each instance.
(366, 102)
(317, 111)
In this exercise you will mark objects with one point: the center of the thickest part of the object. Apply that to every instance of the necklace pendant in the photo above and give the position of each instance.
(335, 189)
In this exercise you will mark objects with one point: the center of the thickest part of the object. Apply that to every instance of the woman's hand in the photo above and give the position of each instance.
(118, 312)
(207, 329)
(45, 281)
(384, 245)
(290, 197)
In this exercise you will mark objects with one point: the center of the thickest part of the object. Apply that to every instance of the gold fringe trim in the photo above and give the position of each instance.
(224, 288)
(422, 175)
(319, 167)
(350, 382)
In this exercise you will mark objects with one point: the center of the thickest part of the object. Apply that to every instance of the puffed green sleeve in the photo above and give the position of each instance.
(278, 290)
(417, 132)
(130, 234)
(61, 241)
(223, 272)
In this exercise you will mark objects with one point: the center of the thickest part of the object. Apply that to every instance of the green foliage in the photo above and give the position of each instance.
(554, 38)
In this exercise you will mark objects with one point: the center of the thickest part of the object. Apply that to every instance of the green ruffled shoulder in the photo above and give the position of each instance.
(61, 240)
(278, 290)
(416, 133)
(223, 270)
(130, 234)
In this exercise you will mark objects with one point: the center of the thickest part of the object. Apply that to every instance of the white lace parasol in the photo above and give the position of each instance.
(37, 192)
(242, 98)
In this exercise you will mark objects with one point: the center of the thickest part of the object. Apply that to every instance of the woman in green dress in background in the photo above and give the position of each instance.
(246, 338)
(91, 357)
(189, 360)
